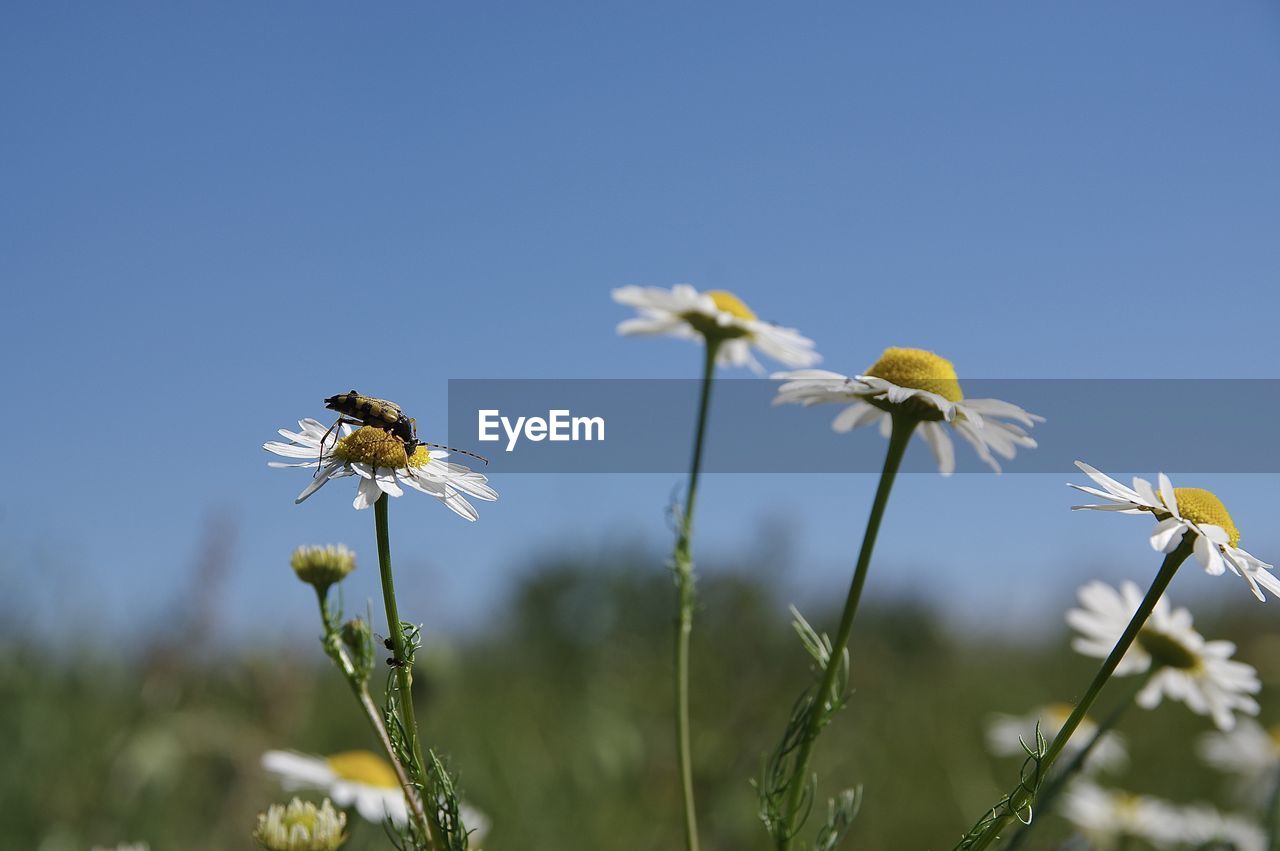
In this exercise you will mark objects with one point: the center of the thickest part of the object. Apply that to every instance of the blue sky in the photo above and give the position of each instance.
(216, 215)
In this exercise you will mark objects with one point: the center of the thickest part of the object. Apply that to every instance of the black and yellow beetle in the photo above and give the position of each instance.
(356, 409)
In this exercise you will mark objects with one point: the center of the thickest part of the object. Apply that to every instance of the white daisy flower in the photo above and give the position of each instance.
(716, 315)
(925, 386)
(1181, 512)
(378, 458)
(361, 779)
(1203, 825)
(1110, 818)
(1006, 735)
(1250, 752)
(1187, 668)
(352, 778)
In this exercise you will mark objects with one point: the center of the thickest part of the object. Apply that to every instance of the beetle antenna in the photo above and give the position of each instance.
(451, 449)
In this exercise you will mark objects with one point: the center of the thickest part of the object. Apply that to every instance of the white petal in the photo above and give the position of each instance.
(367, 494)
(935, 434)
(1168, 496)
(318, 482)
(1167, 534)
(386, 482)
(857, 414)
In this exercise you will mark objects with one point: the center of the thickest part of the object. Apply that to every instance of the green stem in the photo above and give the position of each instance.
(991, 831)
(360, 689)
(1048, 797)
(403, 668)
(1273, 815)
(682, 562)
(903, 426)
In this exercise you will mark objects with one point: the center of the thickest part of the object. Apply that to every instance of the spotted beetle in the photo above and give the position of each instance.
(356, 409)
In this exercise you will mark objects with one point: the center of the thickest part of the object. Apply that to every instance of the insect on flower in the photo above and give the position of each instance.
(356, 409)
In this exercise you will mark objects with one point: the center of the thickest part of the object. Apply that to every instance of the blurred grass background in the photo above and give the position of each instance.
(558, 720)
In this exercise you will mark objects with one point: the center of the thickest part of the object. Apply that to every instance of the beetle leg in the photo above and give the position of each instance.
(333, 429)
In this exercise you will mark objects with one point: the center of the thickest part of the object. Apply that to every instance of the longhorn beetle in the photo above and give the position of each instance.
(357, 409)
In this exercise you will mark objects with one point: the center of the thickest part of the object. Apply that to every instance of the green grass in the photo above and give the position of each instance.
(559, 724)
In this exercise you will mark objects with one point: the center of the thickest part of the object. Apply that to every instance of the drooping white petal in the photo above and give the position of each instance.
(367, 494)
(297, 770)
(1167, 534)
(1207, 554)
(318, 482)
(386, 482)
(944, 452)
(1168, 496)
(857, 414)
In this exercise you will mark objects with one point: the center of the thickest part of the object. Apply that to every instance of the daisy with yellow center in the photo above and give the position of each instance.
(1111, 818)
(1011, 735)
(1181, 512)
(1180, 663)
(717, 317)
(922, 388)
(359, 779)
(379, 459)
(1250, 753)
(1204, 826)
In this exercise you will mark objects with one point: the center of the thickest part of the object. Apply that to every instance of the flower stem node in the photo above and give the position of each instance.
(323, 566)
(301, 827)
(379, 448)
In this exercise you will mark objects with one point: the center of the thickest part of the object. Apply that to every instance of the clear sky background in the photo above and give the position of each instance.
(214, 215)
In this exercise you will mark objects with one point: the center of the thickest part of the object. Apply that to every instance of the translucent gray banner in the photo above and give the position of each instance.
(646, 426)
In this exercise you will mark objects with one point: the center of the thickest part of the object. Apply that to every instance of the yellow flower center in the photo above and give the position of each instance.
(1166, 651)
(709, 327)
(1054, 716)
(378, 448)
(364, 767)
(730, 303)
(1273, 733)
(1201, 506)
(918, 370)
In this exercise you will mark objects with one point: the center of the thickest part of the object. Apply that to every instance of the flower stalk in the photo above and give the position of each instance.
(686, 593)
(357, 679)
(403, 661)
(1058, 782)
(990, 826)
(826, 700)
(1272, 814)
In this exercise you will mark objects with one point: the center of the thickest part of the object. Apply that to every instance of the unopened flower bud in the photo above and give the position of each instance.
(301, 827)
(323, 566)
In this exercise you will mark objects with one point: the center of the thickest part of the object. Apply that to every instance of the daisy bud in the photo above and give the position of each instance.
(301, 827)
(323, 566)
